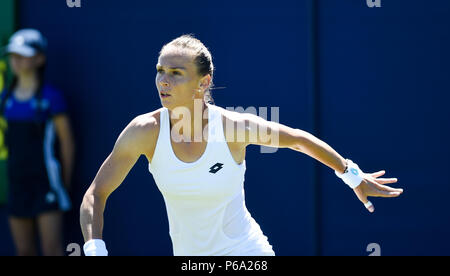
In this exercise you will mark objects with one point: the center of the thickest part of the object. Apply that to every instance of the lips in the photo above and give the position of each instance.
(164, 94)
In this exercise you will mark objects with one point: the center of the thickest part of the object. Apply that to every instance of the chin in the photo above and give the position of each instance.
(168, 104)
(172, 105)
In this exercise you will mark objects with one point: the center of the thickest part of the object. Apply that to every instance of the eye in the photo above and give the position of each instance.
(176, 73)
(159, 70)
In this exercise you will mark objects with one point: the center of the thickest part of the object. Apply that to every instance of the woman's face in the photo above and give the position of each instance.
(25, 65)
(177, 79)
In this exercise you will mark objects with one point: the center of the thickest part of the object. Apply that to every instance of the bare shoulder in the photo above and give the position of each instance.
(141, 134)
(232, 116)
(235, 119)
(243, 129)
(234, 124)
(148, 122)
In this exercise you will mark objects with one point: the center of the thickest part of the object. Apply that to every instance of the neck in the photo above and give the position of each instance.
(27, 82)
(188, 122)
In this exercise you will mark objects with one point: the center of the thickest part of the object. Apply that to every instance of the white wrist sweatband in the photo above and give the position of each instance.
(353, 176)
(95, 247)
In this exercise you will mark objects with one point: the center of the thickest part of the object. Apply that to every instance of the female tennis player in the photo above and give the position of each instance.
(198, 163)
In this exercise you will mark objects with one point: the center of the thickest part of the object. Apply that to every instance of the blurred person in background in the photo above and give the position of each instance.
(36, 115)
(3, 150)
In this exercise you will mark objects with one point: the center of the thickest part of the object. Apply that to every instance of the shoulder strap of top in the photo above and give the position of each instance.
(216, 125)
(164, 127)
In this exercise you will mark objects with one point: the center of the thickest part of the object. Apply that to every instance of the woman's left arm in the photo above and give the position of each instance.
(66, 146)
(257, 130)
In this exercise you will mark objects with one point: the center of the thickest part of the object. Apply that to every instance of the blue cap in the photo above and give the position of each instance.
(27, 43)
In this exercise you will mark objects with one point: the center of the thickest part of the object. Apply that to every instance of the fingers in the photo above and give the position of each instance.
(384, 181)
(377, 174)
(388, 194)
(391, 190)
(376, 188)
(386, 191)
(369, 206)
(381, 187)
(363, 198)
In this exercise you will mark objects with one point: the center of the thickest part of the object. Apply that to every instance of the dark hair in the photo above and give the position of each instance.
(202, 58)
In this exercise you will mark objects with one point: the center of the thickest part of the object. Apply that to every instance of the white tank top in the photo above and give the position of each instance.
(205, 199)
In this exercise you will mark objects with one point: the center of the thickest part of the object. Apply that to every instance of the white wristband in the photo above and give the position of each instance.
(95, 247)
(353, 176)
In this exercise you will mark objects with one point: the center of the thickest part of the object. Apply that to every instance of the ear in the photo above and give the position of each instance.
(205, 82)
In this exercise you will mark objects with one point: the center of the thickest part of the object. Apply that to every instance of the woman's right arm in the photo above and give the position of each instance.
(131, 144)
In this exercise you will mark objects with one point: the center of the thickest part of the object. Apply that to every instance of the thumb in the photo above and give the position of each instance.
(369, 206)
(363, 198)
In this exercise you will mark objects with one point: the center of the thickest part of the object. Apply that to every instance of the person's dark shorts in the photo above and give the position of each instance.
(33, 194)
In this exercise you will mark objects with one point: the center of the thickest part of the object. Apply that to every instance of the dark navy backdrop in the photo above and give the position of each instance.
(372, 83)
(384, 76)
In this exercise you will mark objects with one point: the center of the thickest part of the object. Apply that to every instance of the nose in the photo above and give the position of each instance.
(163, 84)
(162, 81)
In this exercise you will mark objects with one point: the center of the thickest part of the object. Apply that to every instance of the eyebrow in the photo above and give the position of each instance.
(172, 68)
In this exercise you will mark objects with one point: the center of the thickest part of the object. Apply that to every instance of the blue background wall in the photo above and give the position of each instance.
(372, 83)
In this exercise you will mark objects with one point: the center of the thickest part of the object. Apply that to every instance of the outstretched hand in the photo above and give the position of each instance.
(372, 185)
